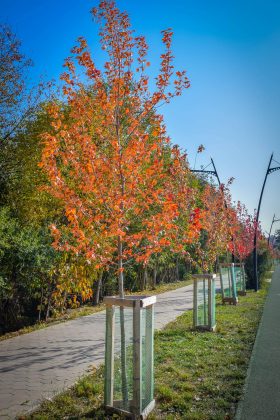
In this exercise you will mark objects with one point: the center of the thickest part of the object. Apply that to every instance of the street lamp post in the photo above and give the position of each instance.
(272, 223)
(215, 173)
(255, 256)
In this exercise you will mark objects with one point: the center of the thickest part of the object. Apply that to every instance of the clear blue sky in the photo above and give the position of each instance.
(230, 49)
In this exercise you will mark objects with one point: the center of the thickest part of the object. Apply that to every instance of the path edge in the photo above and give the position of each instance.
(240, 405)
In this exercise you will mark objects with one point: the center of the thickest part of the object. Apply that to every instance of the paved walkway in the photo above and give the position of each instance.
(262, 389)
(42, 363)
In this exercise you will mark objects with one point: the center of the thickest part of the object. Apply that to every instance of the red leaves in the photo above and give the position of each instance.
(200, 149)
(243, 230)
(79, 48)
(215, 220)
(167, 37)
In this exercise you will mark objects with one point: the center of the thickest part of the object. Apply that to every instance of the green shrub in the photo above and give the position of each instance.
(264, 265)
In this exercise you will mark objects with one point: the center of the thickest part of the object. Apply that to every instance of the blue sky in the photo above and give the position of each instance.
(230, 50)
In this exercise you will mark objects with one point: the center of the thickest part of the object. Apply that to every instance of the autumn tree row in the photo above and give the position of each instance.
(127, 192)
(93, 189)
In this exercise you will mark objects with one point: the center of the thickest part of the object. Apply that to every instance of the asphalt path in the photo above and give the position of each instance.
(42, 363)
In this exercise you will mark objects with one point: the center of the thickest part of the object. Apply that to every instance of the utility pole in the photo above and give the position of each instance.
(255, 251)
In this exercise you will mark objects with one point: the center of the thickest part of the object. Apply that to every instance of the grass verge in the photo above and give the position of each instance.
(89, 309)
(199, 375)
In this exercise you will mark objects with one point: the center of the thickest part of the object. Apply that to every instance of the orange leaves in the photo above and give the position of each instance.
(167, 37)
(216, 222)
(68, 63)
(79, 48)
(107, 156)
(121, 233)
(56, 124)
(71, 214)
(89, 168)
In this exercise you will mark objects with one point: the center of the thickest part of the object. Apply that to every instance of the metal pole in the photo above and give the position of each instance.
(232, 238)
(274, 220)
(268, 240)
(255, 256)
(216, 173)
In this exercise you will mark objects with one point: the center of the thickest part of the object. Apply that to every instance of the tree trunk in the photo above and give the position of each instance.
(122, 326)
(49, 300)
(163, 277)
(63, 308)
(120, 267)
(145, 278)
(139, 279)
(48, 306)
(216, 268)
(154, 277)
(177, 269)
(41, 304)
(96, 296)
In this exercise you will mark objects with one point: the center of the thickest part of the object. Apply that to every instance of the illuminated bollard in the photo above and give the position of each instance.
(240, 277)
(228, 284)
(129, 356)
(204, 299)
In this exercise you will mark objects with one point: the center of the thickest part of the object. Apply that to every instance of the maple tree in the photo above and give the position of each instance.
(108, 157)
(122, 197)
(216, 235)
(243, 232)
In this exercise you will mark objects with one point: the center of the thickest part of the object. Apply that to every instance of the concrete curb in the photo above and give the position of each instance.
(253, 355)
(261, 397)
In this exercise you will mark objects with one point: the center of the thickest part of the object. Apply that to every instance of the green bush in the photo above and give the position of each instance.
(264, 265)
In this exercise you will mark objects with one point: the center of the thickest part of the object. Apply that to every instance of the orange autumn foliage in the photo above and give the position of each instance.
(244, 226)
(108, 159)
(217, 218)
